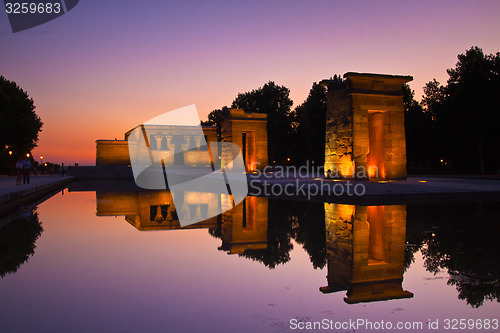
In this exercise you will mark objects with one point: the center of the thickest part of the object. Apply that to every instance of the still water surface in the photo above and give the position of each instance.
(118, 262)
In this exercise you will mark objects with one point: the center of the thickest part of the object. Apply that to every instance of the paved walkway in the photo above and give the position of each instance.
(8, 184)
(423, 190)
(12, 193)
(411, 185)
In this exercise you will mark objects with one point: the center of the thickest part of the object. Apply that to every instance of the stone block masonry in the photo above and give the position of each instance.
(365, 127)
(245, 129)
(249, 131)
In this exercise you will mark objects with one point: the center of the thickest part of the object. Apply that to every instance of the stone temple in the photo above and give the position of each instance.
(365, 132)
(247, 130)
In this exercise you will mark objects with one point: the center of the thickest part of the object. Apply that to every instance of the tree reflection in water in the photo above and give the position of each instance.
(461, 239)
(17, 242)
(287, 220)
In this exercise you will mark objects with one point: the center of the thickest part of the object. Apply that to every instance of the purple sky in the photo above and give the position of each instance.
(107, 66)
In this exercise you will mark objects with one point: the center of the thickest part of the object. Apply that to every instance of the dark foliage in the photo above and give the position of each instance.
(309, 121)
(467, 113)
(460, 239)
(273, 100)
(20, 123)
(17, 242)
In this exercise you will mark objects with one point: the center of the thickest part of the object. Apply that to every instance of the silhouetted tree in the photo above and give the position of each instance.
(20, 124)
(310, 124)
(274, 101)
(215, 119)
(435, 99)
(467, 111)
(421, 139)
(473, 86)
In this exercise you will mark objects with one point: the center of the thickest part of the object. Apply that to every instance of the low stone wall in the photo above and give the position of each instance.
(11, 200)
(100, 172)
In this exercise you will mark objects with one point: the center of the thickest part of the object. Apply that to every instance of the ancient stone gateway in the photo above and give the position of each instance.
(365, 132)
(249, 131)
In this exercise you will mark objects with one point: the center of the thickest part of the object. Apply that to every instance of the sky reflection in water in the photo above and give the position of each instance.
(251, 269)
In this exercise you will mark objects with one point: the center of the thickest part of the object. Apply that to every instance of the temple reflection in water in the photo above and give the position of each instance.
(365, 245)
(242, 228)
(154, 210)
(365, 248)
(245, 226)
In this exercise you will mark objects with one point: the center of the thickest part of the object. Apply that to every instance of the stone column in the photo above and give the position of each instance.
(158, 139)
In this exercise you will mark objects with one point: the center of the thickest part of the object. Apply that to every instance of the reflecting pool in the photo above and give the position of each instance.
(110, 260)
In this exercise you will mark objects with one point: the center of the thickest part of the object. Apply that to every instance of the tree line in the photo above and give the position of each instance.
(460, 235)
(454, 128)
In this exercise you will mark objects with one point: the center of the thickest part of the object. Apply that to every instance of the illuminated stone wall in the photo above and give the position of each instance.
(116, 152)
(365, 127)
(112, 152)
(239, 126)
(365, 251)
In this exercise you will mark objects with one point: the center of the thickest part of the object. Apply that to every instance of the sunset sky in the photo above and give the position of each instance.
(107, 66)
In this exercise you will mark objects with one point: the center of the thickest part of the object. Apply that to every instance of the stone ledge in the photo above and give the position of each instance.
(10, 199)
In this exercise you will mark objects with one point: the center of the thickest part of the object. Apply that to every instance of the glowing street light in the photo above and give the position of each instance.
(27, 155)
(41, 158)
(10, 152)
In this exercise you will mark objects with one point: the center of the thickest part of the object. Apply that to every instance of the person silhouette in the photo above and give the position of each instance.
(26, 170)
(19, 170)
